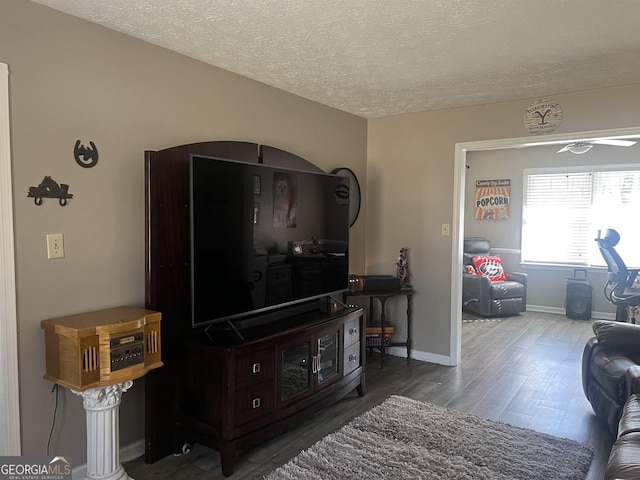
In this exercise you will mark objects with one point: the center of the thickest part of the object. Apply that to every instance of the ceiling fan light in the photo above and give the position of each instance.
(579, 149)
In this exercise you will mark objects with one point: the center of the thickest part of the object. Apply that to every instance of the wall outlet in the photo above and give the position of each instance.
(55, 245)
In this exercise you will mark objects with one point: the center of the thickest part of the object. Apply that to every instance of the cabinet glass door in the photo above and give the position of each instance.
(328, 354)
(296, 371)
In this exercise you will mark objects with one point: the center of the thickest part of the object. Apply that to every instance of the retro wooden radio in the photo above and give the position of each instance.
(101, 348)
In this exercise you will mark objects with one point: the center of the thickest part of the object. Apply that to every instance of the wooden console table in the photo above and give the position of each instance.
(382, 297)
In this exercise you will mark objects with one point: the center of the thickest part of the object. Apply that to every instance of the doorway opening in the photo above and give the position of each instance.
(457, 230)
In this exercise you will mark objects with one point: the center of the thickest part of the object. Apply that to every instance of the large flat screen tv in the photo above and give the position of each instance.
(264, 238)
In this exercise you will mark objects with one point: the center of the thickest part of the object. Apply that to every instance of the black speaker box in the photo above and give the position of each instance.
(578, 302)
(381, 283)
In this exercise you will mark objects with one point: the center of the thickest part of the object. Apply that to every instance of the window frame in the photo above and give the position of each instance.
(592, 260)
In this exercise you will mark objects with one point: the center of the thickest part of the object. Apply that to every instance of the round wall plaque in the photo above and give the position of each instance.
(542, 117)
(354, 192)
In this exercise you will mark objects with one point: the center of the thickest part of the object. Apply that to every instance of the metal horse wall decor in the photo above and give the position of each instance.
(85, 157)
(49, 188)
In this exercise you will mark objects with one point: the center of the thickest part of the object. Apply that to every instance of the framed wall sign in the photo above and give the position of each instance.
(542, 117)
(493, 199)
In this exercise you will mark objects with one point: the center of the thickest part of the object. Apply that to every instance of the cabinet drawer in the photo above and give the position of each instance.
(254, 401)
(351, 358)
(351, 331)
(255, 367)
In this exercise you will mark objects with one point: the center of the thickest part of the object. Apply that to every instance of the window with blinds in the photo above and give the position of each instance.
(564, 209)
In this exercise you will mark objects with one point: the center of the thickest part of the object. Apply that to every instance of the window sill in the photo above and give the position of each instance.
(561, 267)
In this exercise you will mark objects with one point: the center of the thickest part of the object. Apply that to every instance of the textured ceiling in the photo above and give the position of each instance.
(383, 57)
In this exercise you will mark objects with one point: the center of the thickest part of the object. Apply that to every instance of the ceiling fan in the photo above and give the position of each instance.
(581, 147)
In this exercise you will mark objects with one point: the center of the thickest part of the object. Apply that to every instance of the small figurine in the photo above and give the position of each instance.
(403, 267)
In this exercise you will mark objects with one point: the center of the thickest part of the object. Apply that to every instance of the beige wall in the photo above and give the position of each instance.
(69, 80)
(410, 184)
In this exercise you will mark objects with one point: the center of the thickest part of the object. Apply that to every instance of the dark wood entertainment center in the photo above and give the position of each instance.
(233, 385)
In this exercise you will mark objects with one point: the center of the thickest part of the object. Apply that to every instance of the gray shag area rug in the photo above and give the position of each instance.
(404, 438)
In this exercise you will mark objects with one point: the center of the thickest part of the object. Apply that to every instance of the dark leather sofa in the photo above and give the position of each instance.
(611, 382)
(483, 297)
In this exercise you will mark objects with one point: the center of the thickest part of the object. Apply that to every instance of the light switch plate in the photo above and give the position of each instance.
(55, 245)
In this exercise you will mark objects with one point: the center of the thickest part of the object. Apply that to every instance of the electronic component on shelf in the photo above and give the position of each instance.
(127, 351)
(101, 348)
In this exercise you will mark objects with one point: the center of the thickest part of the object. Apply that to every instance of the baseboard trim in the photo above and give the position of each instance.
(422, 356)
(128, 453)
(562, 311)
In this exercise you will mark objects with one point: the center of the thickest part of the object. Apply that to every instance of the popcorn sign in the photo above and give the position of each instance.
(493, 199)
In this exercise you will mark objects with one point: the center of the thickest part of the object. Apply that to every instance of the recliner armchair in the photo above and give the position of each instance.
(487, 298)
(611, 383)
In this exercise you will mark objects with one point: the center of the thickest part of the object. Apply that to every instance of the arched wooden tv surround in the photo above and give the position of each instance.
(226, 392)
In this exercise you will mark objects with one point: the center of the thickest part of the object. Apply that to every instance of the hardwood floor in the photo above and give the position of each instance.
(523, 370)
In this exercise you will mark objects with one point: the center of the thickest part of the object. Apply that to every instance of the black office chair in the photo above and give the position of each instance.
(619, 288)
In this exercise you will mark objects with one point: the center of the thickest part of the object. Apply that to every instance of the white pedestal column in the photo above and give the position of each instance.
(102, 405)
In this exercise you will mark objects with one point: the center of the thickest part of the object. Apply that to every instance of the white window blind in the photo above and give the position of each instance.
(563, 210)
(616, 204)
